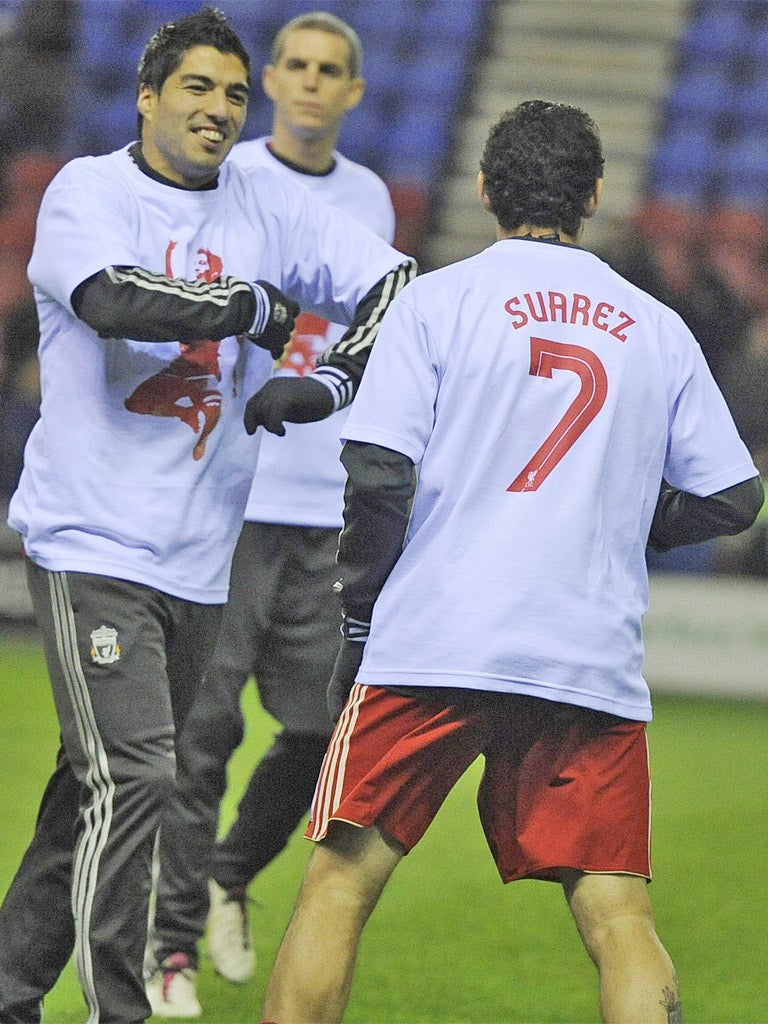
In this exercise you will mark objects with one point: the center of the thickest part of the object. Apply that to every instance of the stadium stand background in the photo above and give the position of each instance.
(679, 90)
(414, 81)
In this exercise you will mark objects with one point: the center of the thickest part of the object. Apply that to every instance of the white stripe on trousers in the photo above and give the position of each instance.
(98, 816)
(330, 782)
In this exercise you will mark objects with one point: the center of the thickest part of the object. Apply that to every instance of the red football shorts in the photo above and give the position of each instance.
(563, 786)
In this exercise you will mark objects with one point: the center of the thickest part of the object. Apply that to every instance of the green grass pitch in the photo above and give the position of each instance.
(448, 943)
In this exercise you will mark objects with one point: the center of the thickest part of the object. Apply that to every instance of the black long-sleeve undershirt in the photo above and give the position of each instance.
(129, 302)
(683, 518)
(377, 501)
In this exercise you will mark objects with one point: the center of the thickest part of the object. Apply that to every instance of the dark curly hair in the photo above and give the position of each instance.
(541, 161)
(166, 49)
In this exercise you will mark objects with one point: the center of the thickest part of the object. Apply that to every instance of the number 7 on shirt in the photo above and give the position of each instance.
(547, 356)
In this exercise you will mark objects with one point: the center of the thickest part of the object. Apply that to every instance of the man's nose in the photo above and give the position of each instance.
(217, 106)
(311, 78)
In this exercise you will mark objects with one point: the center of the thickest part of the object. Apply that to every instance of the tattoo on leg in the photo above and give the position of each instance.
(673, 1005)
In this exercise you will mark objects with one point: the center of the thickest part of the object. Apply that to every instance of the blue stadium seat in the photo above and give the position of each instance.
(750, 103)
(448, 20)
(417, 143)
(715, 34)
(756, 41)
(702, 93)
(115, 126)
(384, 21)
(410, 65)
(743, 166)
(364, 134)
(714, 142)
(434, 74)
(683, 167)
(381, 70)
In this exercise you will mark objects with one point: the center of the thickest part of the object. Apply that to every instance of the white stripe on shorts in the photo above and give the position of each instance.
(330, 782)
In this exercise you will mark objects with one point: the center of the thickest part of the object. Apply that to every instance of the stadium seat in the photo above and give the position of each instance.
(744, 225)
(713, 145)
(381, 70)
(412, 210)
(409, 54)
(29, 174)
(433, 74)
(702, 94)
(744, 168)
(9, 12)
(756, 43)
(363, 134)
(739, 263)
(749, 106)
(683, 166)
(454, 21)
(15, 288)
(417, 144)
(663, 218)
(391, 20)
(715, 34)
(24, 182)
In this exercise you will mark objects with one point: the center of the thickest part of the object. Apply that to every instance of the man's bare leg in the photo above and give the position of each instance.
(312, 976)
(615, 920)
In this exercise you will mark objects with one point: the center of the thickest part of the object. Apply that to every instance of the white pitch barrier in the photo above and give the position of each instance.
(707, 635)
(704, 635)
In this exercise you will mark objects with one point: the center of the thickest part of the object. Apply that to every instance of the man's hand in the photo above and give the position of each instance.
(354, 635)
(280, 323)
(343, 677)
(295, 399)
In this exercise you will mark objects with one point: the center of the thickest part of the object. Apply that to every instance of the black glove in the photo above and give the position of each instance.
(296, 399)
(282, 320)
(354, 633)
(343, 677)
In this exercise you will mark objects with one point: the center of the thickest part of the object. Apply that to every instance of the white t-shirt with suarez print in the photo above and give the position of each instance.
(139, 466)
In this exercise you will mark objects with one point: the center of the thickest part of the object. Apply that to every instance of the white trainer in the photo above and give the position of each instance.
(229, 935)
(172, 988)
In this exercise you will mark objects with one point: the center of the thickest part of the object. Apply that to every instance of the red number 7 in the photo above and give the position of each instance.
(547, 356)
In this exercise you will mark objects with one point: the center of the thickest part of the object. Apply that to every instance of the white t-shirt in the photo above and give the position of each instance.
(542, 398)
(299, 478)
(139, 466)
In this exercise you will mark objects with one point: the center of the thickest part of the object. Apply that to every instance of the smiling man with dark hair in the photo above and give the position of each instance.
(167, 281)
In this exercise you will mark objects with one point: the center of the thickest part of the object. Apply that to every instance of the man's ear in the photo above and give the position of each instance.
(355, 92)
(483, 195)
(595, 199)
(145, 101)
(266, 80)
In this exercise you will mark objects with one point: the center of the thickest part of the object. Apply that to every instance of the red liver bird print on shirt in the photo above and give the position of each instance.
(187, 388)
(307, 343)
